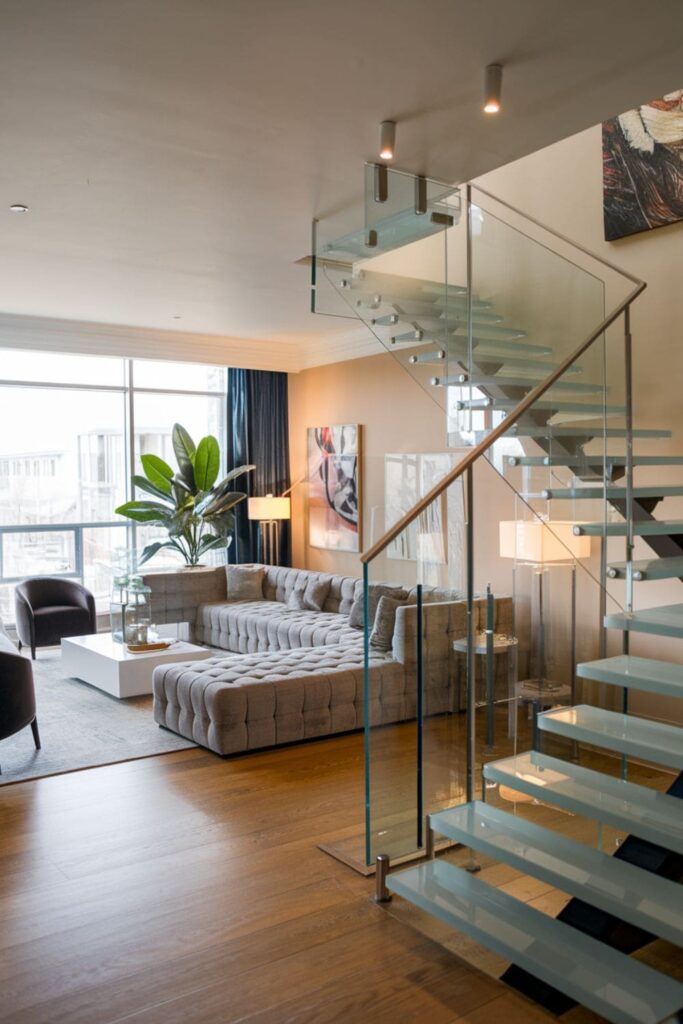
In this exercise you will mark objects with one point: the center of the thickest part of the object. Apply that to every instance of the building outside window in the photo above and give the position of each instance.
(65, 424)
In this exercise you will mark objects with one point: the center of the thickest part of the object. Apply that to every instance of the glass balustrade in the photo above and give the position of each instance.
(482, 603)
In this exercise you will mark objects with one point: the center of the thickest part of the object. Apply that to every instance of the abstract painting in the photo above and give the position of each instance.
(334, 487)
(642, 159)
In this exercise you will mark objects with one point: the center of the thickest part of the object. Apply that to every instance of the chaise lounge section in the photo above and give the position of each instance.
(290, 674)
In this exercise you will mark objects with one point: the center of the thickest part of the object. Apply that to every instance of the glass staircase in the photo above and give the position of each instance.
(529, 725)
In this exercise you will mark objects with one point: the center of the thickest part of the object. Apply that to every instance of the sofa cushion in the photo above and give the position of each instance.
(375, 592)
(251, 626)
(245, 582)
(382, 634)
(232, 703)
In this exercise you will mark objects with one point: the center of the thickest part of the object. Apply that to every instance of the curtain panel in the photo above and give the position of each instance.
(258, 434)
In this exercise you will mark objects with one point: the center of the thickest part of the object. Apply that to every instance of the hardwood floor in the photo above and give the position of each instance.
(184, 888)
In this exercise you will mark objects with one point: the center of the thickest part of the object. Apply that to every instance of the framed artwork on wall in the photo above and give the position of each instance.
(642, 160)
(334, 497)
(407, 478)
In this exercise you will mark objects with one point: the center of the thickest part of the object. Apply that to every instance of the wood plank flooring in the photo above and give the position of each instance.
(189, 889)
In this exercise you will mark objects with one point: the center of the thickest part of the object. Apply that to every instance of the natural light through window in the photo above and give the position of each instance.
(65, 428)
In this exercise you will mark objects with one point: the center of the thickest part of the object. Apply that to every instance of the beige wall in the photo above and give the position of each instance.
(395, 416)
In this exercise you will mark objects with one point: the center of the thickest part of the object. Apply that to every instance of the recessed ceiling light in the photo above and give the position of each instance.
(493, 87)
(18, 208)
(387, 140)
(176, 317)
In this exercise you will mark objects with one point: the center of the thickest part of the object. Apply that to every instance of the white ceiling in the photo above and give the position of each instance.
(173, 152)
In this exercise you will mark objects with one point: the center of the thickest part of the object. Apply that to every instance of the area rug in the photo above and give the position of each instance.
(81, 727)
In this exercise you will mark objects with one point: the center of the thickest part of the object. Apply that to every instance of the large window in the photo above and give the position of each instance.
(65, 456)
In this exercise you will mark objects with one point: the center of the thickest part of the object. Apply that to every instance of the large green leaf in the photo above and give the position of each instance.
(145, 485)
(224, 486)
(223, 523)
(158, 472)
(222, 504)
(209, 541)
(184, 449)
(152, 549)
(145, 511)
(207, 462)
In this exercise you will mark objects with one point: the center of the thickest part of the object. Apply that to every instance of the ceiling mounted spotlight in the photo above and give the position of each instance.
(387, 140)
(18, 208)
(493, 87)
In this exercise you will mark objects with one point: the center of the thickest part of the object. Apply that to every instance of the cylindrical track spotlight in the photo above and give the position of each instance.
(387, 140)
(493, 87)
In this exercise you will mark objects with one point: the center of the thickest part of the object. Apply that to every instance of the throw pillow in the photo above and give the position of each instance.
(317, 590)
(296, 602)
(375, 592)
(309, 594)
(245, 582)
(382, 635)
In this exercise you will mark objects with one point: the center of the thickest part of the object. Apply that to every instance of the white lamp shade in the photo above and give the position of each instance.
(539, 542)
(268, 508)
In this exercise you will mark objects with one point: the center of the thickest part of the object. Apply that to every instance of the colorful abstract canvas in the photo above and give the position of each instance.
(642, 153)
(334, 487)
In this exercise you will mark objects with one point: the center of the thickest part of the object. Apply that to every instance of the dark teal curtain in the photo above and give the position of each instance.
(258, 433)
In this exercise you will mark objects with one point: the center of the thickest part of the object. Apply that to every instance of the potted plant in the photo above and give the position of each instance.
(194, 509)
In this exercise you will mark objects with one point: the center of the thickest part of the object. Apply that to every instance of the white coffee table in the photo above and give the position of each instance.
(109, 666)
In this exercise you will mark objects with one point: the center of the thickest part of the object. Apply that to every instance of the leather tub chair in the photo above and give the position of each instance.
(49, 608)
(17, 696)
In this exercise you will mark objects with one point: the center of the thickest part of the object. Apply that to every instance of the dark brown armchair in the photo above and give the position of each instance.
(49, 608)
(17, 696)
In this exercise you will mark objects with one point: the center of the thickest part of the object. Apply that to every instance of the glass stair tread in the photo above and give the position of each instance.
(558, 405)
(624, 805)
(559, 493)
(646, 528)
(627, 734)
(649, 568)
(458, 343)
(522, 430)
(391, 233)
(399, 284)
(614, 885)
(526, 364)
(610, 983)
(528, 384)
(592, 460)
(666, 620)
(627, 670)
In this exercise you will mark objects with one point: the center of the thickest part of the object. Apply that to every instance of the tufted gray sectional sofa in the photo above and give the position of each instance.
(283, 676)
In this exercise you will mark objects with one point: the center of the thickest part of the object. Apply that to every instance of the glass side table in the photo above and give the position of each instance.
(502, 644)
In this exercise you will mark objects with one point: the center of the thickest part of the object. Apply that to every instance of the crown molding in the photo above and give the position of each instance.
(91, 338)
(48, 334)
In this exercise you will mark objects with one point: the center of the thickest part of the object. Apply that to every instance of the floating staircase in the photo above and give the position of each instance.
(552, 410)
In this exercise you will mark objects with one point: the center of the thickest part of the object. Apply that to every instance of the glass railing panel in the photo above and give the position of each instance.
(416, 683)
(460, 697)
(395, 263)
(544, 297)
